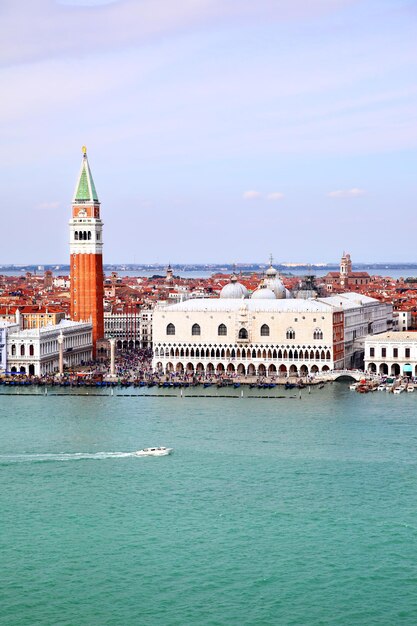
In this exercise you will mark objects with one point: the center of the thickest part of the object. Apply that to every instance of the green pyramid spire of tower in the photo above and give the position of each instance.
(85, 190)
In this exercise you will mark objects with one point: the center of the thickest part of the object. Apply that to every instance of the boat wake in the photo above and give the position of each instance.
(62, 456)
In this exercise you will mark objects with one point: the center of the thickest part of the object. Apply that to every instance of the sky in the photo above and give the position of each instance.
(217, 130)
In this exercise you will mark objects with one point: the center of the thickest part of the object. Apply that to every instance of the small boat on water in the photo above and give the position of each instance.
(410, 389)
(290, 385)
(399, 389)
(159, 451)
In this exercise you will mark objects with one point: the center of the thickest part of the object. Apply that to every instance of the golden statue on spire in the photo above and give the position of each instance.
(84, 149)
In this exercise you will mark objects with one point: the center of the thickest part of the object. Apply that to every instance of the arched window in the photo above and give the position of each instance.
(222, 330)
(76, 235)
(243, 333)
(170, 329)
(290, 333)
(22, 350)
(318, 334)
(89, 234)
(31, 350)
(13, 349)
(196, 330)
(264, 330)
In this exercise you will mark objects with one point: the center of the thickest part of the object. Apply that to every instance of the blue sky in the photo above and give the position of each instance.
(216, 130)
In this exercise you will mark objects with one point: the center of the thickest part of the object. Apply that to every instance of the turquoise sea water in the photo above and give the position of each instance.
(270, 511)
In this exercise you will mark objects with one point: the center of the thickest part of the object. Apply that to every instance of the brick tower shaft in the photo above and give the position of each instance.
(86, 250)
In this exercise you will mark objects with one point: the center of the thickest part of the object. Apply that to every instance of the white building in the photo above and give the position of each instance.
(35, 351)
(5, 328)
(403, 320)
(263, 335)
(392, 353)
(363, 316)
(130, 329)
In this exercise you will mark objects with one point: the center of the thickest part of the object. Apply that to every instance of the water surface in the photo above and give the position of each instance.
(270, 511)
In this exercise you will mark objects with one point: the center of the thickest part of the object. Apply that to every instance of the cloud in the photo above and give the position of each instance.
(347, 193)
(48, 206)
(86, 3)
(52, 28)
(275, 195)
(252, 195)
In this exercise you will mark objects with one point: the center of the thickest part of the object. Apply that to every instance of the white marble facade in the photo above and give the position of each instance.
(262, 336)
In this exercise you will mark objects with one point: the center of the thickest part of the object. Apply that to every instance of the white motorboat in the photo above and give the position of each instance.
(410, 389)
(157, 451)
(382, 387)
(399, 389)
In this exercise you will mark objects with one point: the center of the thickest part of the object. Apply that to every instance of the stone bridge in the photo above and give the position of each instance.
(343, 375)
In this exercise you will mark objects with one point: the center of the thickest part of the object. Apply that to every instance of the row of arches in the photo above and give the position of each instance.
(82, 235)
(394, 369)
(22, 350)
(227, 353)
(127, 345)
(243, 333)
(22, 370)
(250, 370)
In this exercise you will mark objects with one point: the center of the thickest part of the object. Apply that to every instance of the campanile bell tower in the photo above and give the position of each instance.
(86, 249)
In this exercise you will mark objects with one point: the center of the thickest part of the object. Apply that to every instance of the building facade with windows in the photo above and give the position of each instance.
(32, 316)
(130, 329)
(363, 316)
(5, 328)
(392, 353)
(254, 336)
(35, 351)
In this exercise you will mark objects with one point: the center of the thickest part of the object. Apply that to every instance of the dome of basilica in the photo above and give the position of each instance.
(263, 293)
(234, 289)
(274, 283)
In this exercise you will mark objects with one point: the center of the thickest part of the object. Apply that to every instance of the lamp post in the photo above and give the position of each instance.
(112, 356)
(61, 354)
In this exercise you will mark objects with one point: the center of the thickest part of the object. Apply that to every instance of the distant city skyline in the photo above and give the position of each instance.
(214, 130)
